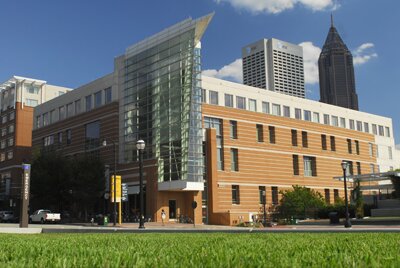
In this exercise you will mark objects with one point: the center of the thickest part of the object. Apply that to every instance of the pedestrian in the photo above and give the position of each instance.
(163, 216)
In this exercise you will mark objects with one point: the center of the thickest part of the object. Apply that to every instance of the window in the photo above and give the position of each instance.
(371, 149)
(228, 100)
(3, 132)
(335, 121)
(4, 119)
(274, 195)
(380, 128)
(296, 170)
(77, 106)
(358, 164)
(98, 99)
(326, 119)
(234, 159)
(336, 195)
(307, 115)
(357, 147)
(351, 122)
(315, 117)
(252, 105)
(3, 144)
(92, 135)
(297, 113)
(10, 142)
(49, 140)
(310, 168)
(349, 149)
(387, 132)
(53, 118)
(45, 119)
(304, 139)
(88, 102)
(276, 109)
(366, 127)
(323, 142)
(2, 157)
(31, 102)
(350, 168)
(286, 111)
(31, 89)
(390, 152)
(61, 112)
(38, 121)
(327, 196)
(11, 116)
(271, 131)
(372, 167)
(11, 129)
(203, 95)
(374, 129)
(235, 195)
(69, 136)
(70, 111)
(107, 95)
(213, 97)
(59, 137)
(359, 126)
(210, 122)
(233, 126)
(342, 122)
(262, 195)
(240, 102)
(10, 155)
(260, 133)
(294, 137)
(333, 144)
(265, 107)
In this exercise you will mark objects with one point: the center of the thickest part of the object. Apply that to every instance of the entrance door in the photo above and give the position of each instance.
(172, 209)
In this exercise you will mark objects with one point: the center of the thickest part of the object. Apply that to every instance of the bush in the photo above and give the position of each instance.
(323, 213)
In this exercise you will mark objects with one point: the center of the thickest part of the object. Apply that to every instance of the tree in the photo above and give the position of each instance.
(300, 202)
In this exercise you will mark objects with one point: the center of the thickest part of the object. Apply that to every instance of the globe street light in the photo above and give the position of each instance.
(345, 165)
(140, 147)
(115, 178)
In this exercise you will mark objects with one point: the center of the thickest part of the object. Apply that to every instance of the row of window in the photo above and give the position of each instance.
(91, 101)
(307, 115)
(50, 140)
(7, 130)
(9, 154)
(8, 117)
(7, 143)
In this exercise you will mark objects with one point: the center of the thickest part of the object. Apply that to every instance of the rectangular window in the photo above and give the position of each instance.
(327, 196)
(359, 126)
(262, 194)
(234, 159)
(274, 195)
(60, 137)
(98, 99)
(3, 144)
(297, 113)
(342, 122)
(372, 167)
(53, 117)
(304, 139)
(61, 112)
(31, 102)
(107, 95)
(265, 107)
(213, 97)
(326, 119)
(70, 111)
(323, 142)
(45, 119)
(4, 119)
(92, 135)
(240, 102)
(336, 195)
(349, 149)
(210, 122)
(307, 115)
(252, 105)
(31, 89)
(233, 126)
(2, 157)
(10, 155)
(358, 164)
(38, 121)
(333, 144)
(335, 121)
(11, 129)
(374, 129)
(366, 127)
(286, 111)
(351, 122)
(371, 149)
(357, 147)
(350, 170)
(3, 132)
(315, 117)
(276, 109)
(271, 131)
(228, 100)
(390, 152)
(387, 132)
(88, 102)
(77, 106)
(294, 137)
(11, 116)
(69, 136)
(203, 95)
(10, 142)
(260, 133)
(310, 166)
(296, 170)
(235, 195)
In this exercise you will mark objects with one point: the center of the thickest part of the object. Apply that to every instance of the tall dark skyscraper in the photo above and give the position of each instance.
(336, 72)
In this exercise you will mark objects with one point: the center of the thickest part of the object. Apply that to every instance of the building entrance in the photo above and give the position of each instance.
(172, 209)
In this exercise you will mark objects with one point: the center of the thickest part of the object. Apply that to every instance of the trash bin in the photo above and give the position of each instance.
(333, 218)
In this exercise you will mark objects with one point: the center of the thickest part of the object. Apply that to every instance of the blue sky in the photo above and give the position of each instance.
(70, 43)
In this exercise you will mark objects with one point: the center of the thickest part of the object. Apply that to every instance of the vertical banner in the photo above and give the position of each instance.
(118, 192)
(25, 190)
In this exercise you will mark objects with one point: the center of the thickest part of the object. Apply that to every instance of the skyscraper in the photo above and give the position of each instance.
(336, 72)
(274, 65)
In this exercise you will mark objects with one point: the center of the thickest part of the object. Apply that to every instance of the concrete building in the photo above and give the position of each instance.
(18, 97)
(208, 140)
(274, 65)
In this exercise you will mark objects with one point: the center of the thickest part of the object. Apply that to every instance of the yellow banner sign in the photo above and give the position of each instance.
(118, 187)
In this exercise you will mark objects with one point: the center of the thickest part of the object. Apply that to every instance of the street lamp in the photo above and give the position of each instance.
(140, 147)
(115, 177)
(347, 223)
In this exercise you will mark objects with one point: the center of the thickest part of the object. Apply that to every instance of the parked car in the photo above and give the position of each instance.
(7, 216)
(44, 215)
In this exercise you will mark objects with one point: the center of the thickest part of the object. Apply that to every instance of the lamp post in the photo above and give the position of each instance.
(264, 201)
(347, 223)
(115, 178)
(140, 147)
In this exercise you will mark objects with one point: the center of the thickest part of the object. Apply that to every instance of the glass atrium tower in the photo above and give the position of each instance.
(161, 103)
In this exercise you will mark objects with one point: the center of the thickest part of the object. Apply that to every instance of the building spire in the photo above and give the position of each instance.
(332, 20)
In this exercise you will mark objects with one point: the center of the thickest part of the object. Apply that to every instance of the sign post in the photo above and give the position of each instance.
(25, 191)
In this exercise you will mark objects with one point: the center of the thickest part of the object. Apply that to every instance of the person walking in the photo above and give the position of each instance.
(163, 216)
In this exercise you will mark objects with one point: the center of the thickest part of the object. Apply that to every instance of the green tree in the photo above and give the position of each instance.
(300, 202)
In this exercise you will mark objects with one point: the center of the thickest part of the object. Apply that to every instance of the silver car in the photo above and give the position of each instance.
(7, 216)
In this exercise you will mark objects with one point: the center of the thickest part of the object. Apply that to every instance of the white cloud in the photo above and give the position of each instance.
(277, 6)
(232, 71)
(310, 58)
(364, 53)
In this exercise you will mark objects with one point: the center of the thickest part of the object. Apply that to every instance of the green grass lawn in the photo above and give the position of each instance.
(201, 250)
